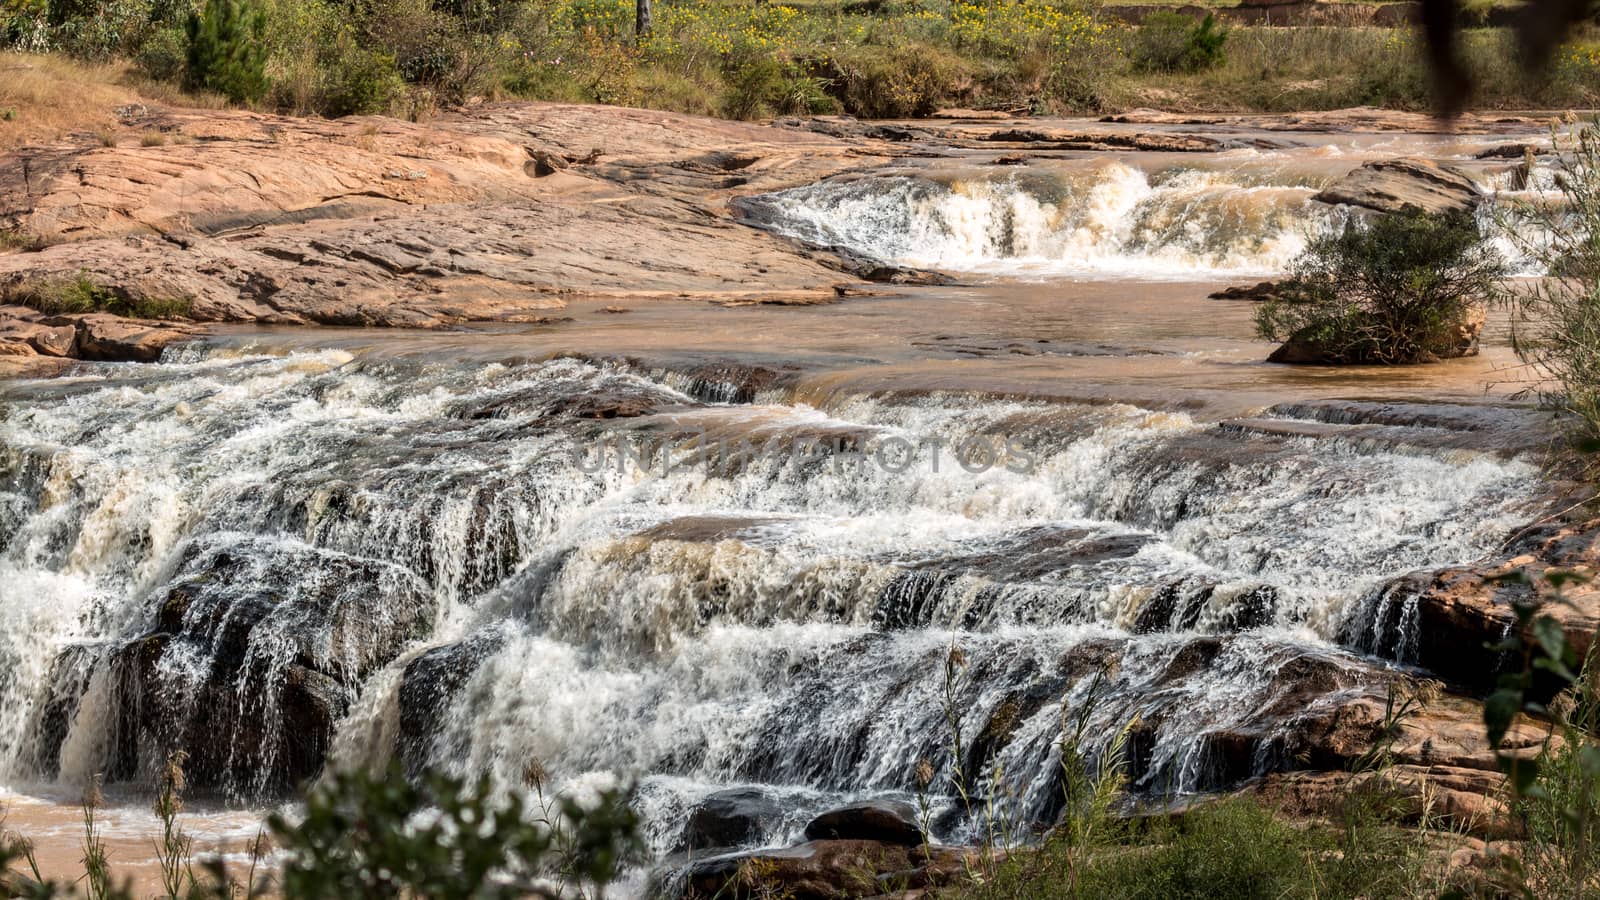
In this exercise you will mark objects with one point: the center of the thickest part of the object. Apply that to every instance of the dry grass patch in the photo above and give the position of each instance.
(49, 98)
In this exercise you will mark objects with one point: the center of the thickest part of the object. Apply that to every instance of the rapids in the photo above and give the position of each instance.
(451, 564)
(793, 549)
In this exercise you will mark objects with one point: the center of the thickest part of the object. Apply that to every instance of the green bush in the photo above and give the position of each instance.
(1231, 849)
(893, 82)
(163, 54)
(81, 294)
(760, 85)
(226, 54)
(1173, 42)
(357, 80)
(1397, 290)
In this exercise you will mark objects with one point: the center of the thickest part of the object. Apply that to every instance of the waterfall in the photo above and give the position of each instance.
(272, 561)
(1107, 220)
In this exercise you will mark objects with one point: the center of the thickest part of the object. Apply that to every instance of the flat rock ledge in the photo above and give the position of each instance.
(27, 335)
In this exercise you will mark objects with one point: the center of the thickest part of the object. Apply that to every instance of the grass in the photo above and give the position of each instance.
(81, 294)
(46, 98)
(1232, 849)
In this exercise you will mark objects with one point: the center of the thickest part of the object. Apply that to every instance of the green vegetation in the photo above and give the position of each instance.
(750, 59)
(1172, 42)
(1557, 320)
(362, 836)
(1399, 289)
(225, 53)
(1234, 849)
(81, 294)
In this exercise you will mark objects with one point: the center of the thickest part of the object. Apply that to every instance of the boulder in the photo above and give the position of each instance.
(1397, 15)
(1390, 185)
(113, 338)
(430, 688)
(885, 821)
(1448, 621)
(1260, 292)
(732, 818)
(16, 884)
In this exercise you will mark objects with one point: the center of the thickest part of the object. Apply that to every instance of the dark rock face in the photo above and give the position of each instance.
(1259, 292)
(248, 662)
(429, 688)
(1393, 184)
(887, 821)
(1448, 621)
(732, 818)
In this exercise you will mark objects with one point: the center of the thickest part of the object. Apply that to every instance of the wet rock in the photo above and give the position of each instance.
(1450, 620)
(826, 870)
(731, 818)
(731, 382)
(112, 338)
(250, 658)
(1510, 151)
(887, 821)
(1262, 291)
(430, 686)
(1391, 185)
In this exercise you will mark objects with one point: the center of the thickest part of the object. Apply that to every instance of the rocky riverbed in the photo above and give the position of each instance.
(345, 508)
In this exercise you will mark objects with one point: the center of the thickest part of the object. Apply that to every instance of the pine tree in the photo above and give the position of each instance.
(225, 50)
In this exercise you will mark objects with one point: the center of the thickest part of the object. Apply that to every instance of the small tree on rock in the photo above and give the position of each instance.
(226, 54)
(1407, 287)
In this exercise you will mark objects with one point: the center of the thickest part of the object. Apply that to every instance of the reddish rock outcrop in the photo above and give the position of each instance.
(26, 333)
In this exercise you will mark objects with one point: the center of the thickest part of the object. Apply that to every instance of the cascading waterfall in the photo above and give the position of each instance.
(1107, 220)
(271, 561)
(1110, 219)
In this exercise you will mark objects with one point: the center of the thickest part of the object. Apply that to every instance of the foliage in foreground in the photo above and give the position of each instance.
(379, 835)
(1556, 320)
(1394, 290)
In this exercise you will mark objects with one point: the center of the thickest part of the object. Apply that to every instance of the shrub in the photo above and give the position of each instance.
(226, 54)
(1396, 290)
(893, 82)
(80, 294)
(761, 85)
(1173, 42)
(163, 54)
(356, 80)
